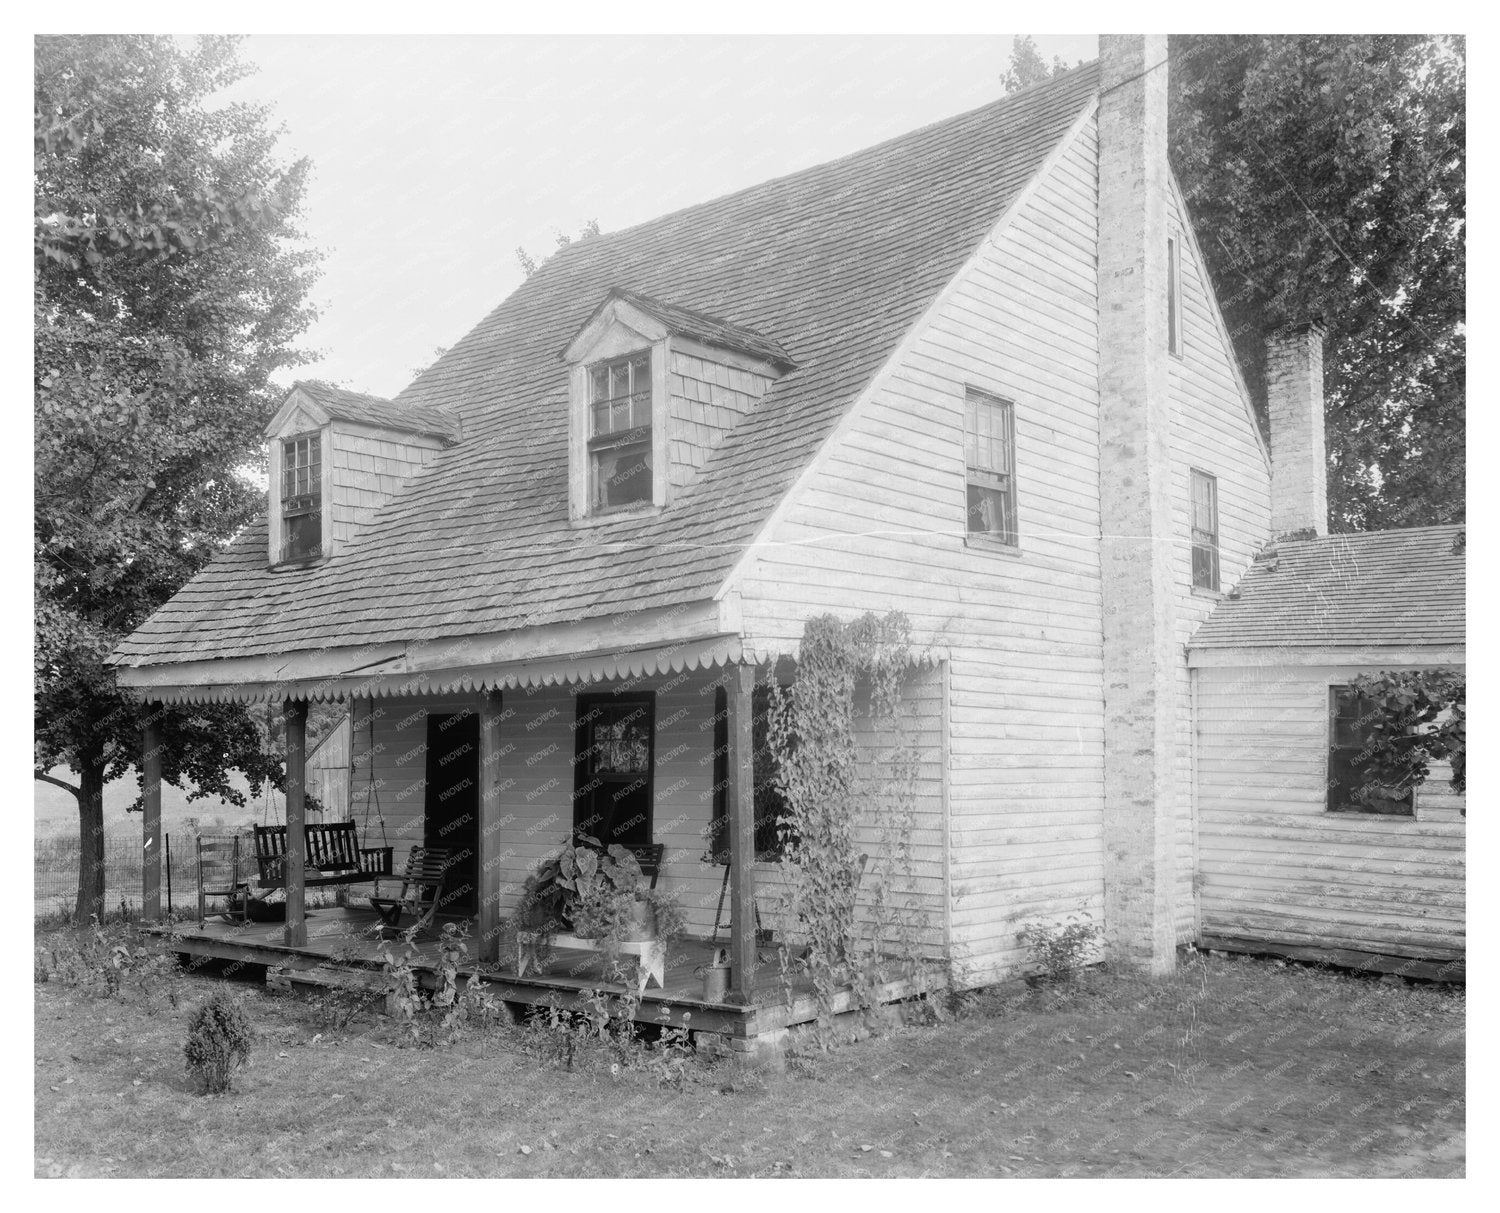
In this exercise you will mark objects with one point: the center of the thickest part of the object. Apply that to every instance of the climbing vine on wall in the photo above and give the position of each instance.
(829, 785)
(1412, 718)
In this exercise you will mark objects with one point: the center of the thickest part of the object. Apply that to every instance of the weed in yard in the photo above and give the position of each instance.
(1059, 951)
(104, 962)
(219, 1039)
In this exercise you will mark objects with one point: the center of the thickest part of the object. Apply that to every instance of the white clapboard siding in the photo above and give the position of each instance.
(536, 780)
(1212, 431)
(881, 526)
(1276, 866)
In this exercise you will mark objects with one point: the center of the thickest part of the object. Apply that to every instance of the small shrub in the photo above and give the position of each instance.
(219, 1039)
(1059, 951)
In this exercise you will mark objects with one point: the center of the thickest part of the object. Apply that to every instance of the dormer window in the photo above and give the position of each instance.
(653, 388)
(302, 498)
(619, 442)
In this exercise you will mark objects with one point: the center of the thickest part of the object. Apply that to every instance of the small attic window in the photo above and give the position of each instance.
(302, 498)
(619, 442)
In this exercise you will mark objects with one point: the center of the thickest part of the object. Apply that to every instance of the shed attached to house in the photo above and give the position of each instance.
(1289, 862)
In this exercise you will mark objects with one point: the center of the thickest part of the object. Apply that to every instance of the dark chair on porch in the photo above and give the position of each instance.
(220, 875)
(421, 890)
(649, 856)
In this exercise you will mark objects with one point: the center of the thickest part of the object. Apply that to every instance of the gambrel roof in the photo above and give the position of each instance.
(1380, 588)
(831, 267)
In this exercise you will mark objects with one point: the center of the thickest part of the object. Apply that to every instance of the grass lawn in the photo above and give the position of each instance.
(1229, 1067)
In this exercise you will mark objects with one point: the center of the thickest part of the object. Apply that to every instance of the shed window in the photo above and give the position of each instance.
(301, 498)
(1205, 505)
(620, 433)
(1350, 788)
(990, 456)
(771, 837)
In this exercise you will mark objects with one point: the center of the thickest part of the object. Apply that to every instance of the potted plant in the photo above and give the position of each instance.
(596, 893)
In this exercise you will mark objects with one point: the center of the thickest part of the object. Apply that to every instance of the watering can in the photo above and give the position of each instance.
(715, 976)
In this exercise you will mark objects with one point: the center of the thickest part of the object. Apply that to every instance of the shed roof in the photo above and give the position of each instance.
(833, 264)
(1376, 588)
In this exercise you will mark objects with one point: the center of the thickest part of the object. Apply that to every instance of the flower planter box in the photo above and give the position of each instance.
(650, 955)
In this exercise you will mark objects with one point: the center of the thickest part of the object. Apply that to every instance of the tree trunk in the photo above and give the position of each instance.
(90, 840)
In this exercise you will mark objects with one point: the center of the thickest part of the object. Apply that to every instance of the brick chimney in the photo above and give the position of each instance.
(1137, 559)
(1299, 460)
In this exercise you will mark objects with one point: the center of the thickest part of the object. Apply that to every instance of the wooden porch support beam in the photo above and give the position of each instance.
(151, 814)
(741, 836)
(488, 865)
(294, 712)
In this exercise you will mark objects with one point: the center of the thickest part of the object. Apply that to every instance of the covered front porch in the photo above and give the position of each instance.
(342, 950)
(492, 765)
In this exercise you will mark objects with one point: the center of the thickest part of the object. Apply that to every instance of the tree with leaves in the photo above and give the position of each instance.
(1325, 176)
(529, 264)
(1027, 67)
(169, 285)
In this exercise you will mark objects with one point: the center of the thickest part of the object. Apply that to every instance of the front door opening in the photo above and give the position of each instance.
(452, 808)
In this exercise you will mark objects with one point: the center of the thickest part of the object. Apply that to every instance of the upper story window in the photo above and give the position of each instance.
(1205, 525)
(1174, 295)
(619, 443)
(990, 457)
(302, 498)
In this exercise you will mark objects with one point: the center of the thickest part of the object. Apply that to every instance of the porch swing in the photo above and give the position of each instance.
(332, 854)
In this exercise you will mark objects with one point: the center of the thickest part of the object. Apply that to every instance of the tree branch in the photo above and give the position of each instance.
(46, 778)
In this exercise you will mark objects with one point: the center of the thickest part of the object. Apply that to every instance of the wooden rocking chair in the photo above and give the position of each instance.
(421, 890)
(219, 875)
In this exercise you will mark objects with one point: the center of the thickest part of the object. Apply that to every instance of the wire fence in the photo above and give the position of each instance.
(55, 873)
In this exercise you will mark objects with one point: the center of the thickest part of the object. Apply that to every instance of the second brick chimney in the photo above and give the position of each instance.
(1294, 403)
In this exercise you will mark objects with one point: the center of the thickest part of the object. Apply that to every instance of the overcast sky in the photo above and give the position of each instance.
(434, 157)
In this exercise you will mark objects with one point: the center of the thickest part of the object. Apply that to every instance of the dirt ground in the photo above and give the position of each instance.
(1231, 1067)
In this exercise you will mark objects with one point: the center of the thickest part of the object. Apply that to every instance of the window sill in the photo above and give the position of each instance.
(593, 520)
(1212, 595)
(999, 547)
(1369, 816)
(294, 566)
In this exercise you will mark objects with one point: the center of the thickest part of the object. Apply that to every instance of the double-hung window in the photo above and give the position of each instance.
(301, 498)
(990, 457)
(1205, 524)
(619, 428)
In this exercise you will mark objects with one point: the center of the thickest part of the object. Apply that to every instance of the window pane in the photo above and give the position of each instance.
(620, 393)
(990, 513)
(622, 475)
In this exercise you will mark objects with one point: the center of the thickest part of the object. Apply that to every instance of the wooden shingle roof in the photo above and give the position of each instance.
(1379, 588)
(344, 405)
(708, 328)
(833, 264)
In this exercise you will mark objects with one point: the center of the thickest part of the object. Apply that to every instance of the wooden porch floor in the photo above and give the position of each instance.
(343, 945)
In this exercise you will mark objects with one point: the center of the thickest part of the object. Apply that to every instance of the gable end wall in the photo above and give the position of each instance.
(881, 527)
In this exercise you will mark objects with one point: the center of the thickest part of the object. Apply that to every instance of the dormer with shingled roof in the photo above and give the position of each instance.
(653, 389)
(335, 457)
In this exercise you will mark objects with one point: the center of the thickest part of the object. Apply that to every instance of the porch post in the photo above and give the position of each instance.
(294, 712)
(488, 923)
(741, 837)
(151, 814)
